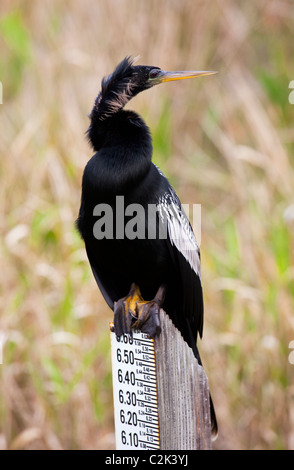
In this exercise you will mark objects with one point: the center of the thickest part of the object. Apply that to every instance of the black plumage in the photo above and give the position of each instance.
(122, 167)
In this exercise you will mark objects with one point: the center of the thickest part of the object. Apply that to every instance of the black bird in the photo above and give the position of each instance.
(142, 259)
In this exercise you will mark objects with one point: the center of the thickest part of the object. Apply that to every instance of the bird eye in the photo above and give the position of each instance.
(154, 73)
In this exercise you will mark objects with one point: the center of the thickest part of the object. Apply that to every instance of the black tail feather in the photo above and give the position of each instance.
(192, 343)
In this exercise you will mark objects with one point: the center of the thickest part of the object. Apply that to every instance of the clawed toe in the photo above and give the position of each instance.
(133, 313)
(122, 317)
(148, 318)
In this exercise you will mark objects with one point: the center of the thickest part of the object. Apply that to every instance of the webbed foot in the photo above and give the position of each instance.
(133, 312)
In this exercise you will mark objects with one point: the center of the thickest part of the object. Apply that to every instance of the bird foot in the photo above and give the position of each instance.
(125, 311)
(132, 312)
(148, 318)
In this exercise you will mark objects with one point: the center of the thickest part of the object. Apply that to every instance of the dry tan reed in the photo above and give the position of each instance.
(225, 141)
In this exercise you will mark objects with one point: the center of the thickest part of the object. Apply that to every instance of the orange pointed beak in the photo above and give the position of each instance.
(170, 76)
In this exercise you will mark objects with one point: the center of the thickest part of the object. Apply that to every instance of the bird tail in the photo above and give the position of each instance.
(192, 343)
(213, 420)
(183, 324)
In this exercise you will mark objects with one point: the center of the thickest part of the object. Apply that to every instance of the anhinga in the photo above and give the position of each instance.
(164, 268)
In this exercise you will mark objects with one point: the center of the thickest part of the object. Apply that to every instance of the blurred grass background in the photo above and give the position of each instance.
(224, 141)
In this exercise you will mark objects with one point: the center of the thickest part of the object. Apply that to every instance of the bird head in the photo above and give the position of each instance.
(145, 76)
(128, 80)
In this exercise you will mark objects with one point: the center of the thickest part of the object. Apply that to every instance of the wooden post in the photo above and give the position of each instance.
(183, 393)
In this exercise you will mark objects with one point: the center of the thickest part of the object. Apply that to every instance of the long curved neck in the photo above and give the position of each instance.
(121, 138)
(124, 152)
(116, 90)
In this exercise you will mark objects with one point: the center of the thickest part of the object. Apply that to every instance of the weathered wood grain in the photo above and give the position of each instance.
(183, 393)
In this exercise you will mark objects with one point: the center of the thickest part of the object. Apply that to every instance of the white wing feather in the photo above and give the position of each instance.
(179, 229)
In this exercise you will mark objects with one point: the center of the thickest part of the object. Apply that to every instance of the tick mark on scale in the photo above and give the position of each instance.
(134, 378)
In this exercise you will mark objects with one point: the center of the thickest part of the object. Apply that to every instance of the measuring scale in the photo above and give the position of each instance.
(134, 392)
